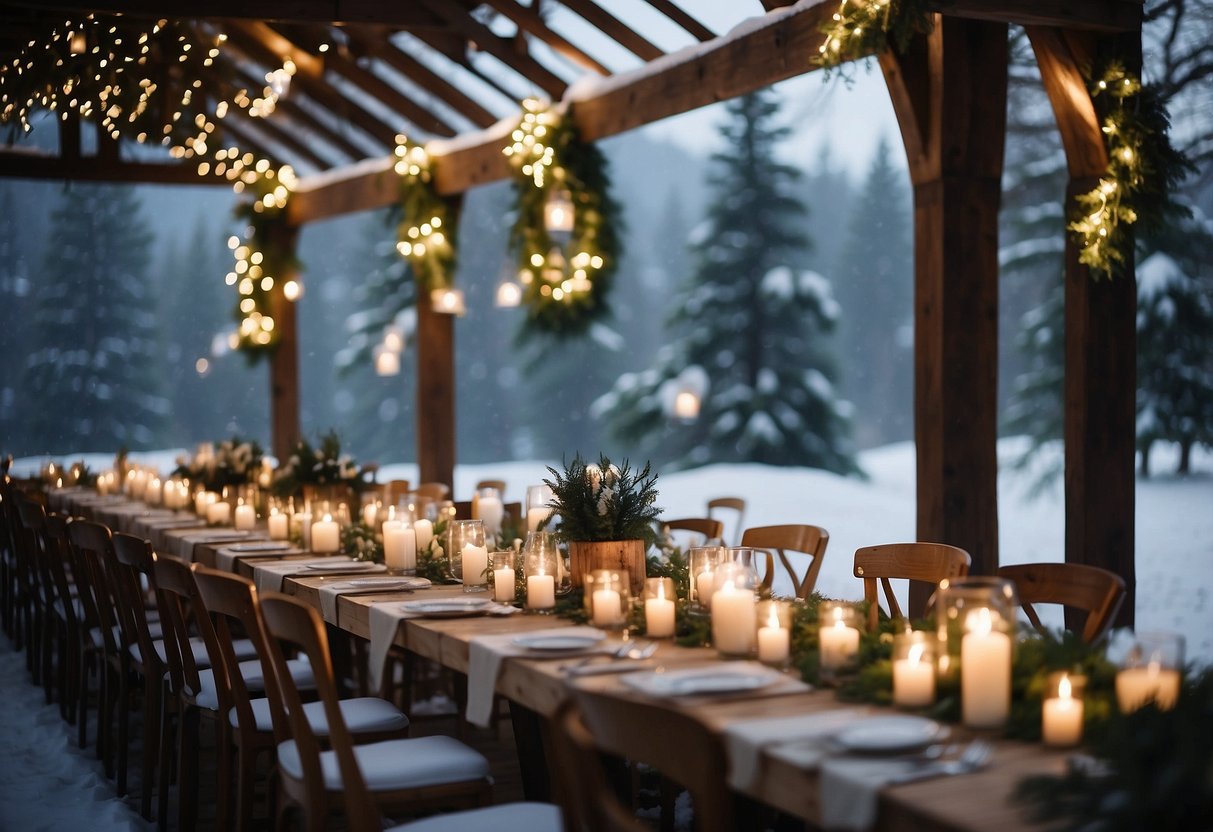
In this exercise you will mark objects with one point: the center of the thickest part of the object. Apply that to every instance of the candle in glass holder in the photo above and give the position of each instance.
(1150, 672)
(734, 619)
(326, 535)
(839, 640)
(504, 575)
(399, 546)
(218, 513)
(540, 592)
(246, 516)
(774, 636)
(1061, 716)
(475, 564)
(541, 564)
(424, 529)
(370, 513)
(659, 607)
(278, 525)
(608, 608)
(985, 671)
(913, 670)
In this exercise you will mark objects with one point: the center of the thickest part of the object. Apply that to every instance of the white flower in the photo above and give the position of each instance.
(604, 500)
(612, 475)
(593, 475)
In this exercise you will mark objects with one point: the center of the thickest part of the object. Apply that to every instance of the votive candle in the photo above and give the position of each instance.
(985, 671)
(246, 517)
(326, 535)
(1061, 716)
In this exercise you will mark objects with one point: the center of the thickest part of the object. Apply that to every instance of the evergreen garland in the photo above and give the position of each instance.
(428, 225)
(1144, 172)
(265, 262)
(861, 28)
(565, 289)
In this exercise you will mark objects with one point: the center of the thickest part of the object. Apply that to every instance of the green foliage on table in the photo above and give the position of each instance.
(362, 542)
(432, 562)
(670, 562)
(322, 464)
(571, 606)
(1153, 769)
(604, 502)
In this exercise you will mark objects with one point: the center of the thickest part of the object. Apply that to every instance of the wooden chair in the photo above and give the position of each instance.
(402, 774)
(930, 562)
(68, 609)
(394, 490)
(702, 529)
(589, 801)
(807, 540)
(1097, 592)
(436, 491)
(736, 504)
(670, 741)
(498, 484)
(48, 648)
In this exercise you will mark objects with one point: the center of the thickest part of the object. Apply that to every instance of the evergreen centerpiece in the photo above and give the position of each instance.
(320, 467)
(218, 466)
(606, 516)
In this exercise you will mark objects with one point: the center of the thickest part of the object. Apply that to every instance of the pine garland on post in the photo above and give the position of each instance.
(564, 288)
(426, 234)
(864, 27)
(1144, 171)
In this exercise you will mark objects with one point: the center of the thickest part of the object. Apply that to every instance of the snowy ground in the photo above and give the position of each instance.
(45, 784)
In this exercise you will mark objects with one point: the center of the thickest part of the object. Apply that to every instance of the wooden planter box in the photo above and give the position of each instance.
(586, 556)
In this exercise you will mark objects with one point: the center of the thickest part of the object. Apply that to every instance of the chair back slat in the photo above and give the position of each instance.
(177, 599)
(133, 560)
(734, 504)
(91, 542)
(1091, 589)
(706, 528)
(805, 539)
(929, 562)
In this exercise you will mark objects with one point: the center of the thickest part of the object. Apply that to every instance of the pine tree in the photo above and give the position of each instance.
(93, 379)
(753, 325)
(14, 291)
(876, 284)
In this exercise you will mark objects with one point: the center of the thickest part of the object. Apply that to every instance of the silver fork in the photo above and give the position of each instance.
(971, 759)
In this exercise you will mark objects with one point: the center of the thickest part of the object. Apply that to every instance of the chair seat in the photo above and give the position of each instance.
(366, 715)
(244, 650)
(254, 680)
(397, 764)
(510, 817)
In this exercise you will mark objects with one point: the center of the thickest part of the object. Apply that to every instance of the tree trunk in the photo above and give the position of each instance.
(1145, 460)
(1185, 457)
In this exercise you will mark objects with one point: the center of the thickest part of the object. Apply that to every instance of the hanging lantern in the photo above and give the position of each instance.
(387, 361)
(448, 302)
(509, 294)
(558, 212)
(393, 339)
(682, 396)
(78, 44)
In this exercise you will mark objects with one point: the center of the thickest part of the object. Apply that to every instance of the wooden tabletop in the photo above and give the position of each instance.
(978, 801)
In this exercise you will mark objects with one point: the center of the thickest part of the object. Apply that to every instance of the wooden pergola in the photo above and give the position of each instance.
(366, 69)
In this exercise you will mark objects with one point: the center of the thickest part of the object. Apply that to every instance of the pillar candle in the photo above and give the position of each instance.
(503, 585)
(246, 517)
(326, 535)
(475, 562)
(278, 523)
(218, 513)
(734, 619)
(774, 641)
(913, 680)
(491, 512)
(704, 582)
(1061, 717)
(535, 516)
(608, 609)
(153, 492)
(370, 512)
(425, 533)
(659, 615)
(541, 592)
(1135, 686)
(838, 642)
(399, 546)
(985, 672)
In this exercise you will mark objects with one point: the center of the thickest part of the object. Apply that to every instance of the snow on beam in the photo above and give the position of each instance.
(757, 53)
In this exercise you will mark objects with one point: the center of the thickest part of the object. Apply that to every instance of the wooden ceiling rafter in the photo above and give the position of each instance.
(614, 28)
(528, 20)
(689, 23)
(396, 15)
(246, 131)
(337, 61)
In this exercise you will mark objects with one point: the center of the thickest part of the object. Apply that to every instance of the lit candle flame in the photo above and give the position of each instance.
(1063, 687)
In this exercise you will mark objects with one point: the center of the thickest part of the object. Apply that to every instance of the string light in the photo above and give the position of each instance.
(425, 234)
(860, 28)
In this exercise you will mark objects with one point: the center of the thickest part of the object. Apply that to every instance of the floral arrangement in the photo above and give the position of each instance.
(362, 542)
(231, 462)
(322, 464)
(604, 502)
(431, 558)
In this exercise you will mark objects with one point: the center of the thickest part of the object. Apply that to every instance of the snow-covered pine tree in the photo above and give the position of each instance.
(1174, 355)
(875, 289)
(93, 378)
(752, 324)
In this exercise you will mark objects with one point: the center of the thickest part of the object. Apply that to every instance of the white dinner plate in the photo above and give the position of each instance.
(345, 566)
(262, 546)
(560, 644)
(388, 584)
(890, 735)
(448, 607)
(732, 678)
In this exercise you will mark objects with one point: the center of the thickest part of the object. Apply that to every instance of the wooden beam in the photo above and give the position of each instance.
(435, 393)
(771, 52)
(397, 15)
(696, 29)
(950, 92)
(526, 66)
(367, 81)
(613, 28)
(25, 164)
(381, 48)
(246, 129)
(295, 112)
(284, 362)
(1100, 334)
(1094, 15)
(528, 21)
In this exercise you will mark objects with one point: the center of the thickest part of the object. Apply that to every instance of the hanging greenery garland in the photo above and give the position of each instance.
(1144, 170)
(562, 190)
(865, 27)
(426, 234)
(265, 261)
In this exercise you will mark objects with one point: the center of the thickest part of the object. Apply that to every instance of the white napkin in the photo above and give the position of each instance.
(746, 741)
(225, 559)
(329, 593)
(485, 654)
(384, 619)
(850, 789)
(268, 576)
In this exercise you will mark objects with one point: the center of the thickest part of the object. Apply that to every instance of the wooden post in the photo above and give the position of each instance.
(435, 393)
(949, 92)
(1100, 333)
(284, 362)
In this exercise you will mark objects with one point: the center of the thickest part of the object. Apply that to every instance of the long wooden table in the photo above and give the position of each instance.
(978, 801)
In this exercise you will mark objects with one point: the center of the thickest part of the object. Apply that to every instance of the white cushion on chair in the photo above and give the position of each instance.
(254, 680)
(397, 764)
(362, 716)
(510, 817)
